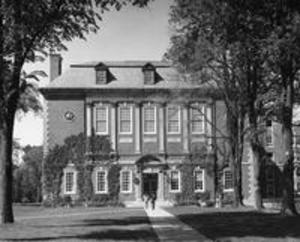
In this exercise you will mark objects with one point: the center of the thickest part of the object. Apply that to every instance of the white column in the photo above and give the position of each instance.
(209, 123)
(88, 125)
(113, 126)
(137, 128)
(185, 128)
(160, 190)
(161, 118)
(88, 119)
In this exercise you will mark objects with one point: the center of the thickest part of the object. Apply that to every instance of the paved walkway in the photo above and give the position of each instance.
(169, 228)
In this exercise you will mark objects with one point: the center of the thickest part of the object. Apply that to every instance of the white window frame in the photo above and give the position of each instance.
(203, 180)
(179, 181)
(224, 180)
(74, 189)
(196, 106)
(101, 105)
(295, 145)
(130, 115)
(105, 180)
(155, 118)
(130, 181)
(179, 120)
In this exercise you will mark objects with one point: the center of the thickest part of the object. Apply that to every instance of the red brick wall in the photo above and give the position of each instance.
(57, 127)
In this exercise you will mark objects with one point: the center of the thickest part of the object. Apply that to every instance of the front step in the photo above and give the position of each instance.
(141, 204)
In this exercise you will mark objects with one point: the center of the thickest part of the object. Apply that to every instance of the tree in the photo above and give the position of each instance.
(251, 48)
(284, 63)
(27, 30)
(201, 46)
(32, 168)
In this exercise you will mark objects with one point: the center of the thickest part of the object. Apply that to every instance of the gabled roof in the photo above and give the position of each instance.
(125, 74)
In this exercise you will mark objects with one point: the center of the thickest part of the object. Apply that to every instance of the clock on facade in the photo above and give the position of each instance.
(69, 116)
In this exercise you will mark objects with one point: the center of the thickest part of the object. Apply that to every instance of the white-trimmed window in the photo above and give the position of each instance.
(297, 141)
(101, 119)
(269, 133)
(197, 116)
(173, 119)
(175, 180)
(199, 180)
(149, 119)
(101, 181)
(70, 182)
(126, 181)
(228, 180)
(125, 120)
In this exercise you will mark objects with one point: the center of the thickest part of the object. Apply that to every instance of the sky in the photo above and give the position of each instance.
(129, 34)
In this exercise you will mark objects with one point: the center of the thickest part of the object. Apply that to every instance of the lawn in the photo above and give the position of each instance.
(132, 224)
(243, 225)
(78, 224)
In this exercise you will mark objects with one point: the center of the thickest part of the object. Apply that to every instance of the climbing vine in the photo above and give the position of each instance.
(74, 151)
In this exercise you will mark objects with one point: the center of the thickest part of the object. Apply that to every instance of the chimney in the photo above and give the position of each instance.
(55, 65)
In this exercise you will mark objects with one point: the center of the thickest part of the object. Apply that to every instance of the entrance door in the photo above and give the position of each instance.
(150, 181)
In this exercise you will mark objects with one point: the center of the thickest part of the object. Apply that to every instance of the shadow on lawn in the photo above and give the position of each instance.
(101, 222)
(218, 225)
(111, 234)
(140, 233)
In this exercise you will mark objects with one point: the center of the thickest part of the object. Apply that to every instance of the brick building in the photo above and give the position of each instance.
(157, 123)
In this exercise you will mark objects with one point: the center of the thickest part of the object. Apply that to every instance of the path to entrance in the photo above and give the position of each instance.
(169, 228)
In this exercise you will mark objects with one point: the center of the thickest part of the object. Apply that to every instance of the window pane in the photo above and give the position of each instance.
(228, 180)
(149, 126)
(269, 136)
(69, 181)
(125, 185)
(101, 181)
(173, 119)
(101, 76)
(125, 119)
(149, 119)
(101, 119)
(197, 118)
(174, 180)
(297, 140)
(199, 180)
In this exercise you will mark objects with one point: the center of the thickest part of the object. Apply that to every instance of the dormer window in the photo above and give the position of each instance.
(101, 74)
(149, 74)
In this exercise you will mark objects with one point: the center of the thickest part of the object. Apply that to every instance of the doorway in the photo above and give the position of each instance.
(150, 182)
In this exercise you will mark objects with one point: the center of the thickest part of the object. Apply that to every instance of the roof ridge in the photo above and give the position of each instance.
(124, 63)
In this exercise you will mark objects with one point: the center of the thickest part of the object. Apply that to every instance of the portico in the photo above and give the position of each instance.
(151, 175)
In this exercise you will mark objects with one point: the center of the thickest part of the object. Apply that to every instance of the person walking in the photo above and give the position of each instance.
(153, 199)
(146, 198)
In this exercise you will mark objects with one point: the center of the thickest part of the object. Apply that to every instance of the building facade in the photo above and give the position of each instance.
(162, 129)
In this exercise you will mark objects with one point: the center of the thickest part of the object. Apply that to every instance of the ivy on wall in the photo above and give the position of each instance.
(188, 195)
(74, 151)
(112, 198)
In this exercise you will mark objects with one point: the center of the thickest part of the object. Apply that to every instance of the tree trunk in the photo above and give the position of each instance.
(288, 205)
(235, 128)
(255, 144)
(6, 174)
(257, 161)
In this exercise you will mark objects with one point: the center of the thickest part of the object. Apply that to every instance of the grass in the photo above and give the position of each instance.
(78, 224)
(241, 225)
(129, 224)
